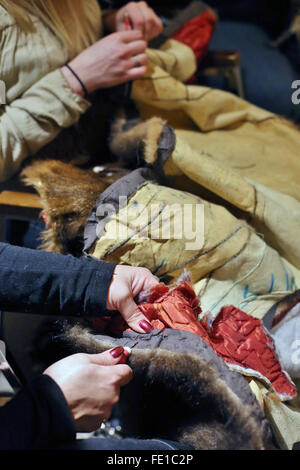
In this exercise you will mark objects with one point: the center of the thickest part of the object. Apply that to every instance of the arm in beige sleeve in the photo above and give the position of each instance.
(35, 119)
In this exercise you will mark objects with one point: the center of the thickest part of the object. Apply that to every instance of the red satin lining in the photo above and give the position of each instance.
(238, 338)
(197, 33)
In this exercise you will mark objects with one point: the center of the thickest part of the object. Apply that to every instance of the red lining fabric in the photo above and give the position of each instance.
(238, 338)
(197, 33)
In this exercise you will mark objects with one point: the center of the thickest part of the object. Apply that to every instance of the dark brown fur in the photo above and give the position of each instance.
(141, 139)
(179, 397)
(67, 195)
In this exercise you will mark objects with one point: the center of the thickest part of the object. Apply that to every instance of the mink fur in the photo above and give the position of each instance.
(178, 396)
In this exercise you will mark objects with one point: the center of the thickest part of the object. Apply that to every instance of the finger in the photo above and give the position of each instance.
(153, 24)
(129, 36)
(137, 18)
(111, 357)
(136, 73)
(137, 61)
(142, 281)
(149, 22)
(158, 24)
(124, 373)
(135, 47)
(134, 317)
(150, 281)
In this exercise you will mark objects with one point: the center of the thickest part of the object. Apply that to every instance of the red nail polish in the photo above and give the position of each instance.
(126, 353)
(117, 352)
(146, 326)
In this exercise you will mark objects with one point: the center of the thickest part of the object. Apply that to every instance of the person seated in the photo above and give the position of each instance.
(53, 57)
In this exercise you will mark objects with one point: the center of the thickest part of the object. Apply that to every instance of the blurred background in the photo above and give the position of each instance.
(264, 35)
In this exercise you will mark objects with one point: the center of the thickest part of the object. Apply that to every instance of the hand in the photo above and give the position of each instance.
(91, 385)
(113, 60)
(141, 17)
(126, 284)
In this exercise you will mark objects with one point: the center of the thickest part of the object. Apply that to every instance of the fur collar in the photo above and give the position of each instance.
(181, 391)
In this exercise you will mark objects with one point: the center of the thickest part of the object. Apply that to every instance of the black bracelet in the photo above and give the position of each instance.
(80, 81)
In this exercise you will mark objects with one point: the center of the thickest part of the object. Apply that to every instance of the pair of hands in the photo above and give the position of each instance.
(91, 382)
(120, 56)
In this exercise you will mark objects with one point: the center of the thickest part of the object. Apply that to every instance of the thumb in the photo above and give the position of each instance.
(111, 357)
(134, 317)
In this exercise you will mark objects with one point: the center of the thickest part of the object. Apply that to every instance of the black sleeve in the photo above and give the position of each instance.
(35, 281)
(36, 418)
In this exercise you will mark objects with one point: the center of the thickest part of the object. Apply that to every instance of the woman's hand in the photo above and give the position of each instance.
(142, 18)
(127, 283)
(115, 59)
(91, 384)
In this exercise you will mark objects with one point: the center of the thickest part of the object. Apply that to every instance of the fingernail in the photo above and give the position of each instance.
(117, 352)
(145, 326)
(127, 351)
(125, 355)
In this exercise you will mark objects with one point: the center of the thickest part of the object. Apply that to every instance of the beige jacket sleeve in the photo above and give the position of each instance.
(36, 118)
(39, 100)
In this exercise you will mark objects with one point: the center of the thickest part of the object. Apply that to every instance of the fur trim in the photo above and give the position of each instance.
(138, 142)
(179, 396)
(67, 195)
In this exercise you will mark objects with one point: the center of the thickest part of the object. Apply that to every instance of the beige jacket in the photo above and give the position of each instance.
(39, 101)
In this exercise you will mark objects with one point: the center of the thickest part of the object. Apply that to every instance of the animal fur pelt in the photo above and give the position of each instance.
(190, 397)
(136, 143)
(67, 195)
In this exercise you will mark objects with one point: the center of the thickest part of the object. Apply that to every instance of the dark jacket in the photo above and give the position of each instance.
(40, 282)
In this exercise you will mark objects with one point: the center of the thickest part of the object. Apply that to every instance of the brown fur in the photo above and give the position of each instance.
(179, 397)
(67, 195)
(143, 136)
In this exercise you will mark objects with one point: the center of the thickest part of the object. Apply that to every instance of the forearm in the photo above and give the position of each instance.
(39, 282)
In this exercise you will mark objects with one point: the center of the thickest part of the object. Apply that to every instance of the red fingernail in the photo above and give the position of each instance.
(125, 355)
(117, 352)
(146, 326)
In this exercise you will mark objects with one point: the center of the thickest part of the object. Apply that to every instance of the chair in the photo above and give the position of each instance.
(267, 71)
(225, 64)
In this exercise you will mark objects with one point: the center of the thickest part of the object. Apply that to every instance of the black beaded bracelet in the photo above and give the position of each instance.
(80, 81)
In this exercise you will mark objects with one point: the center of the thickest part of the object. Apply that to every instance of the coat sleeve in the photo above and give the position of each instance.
(36, 418)
(35, 281)
(35, 118)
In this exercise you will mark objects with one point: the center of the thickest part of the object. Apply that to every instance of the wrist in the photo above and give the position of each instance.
(97, 292)
(72, 81)
(109, 303)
